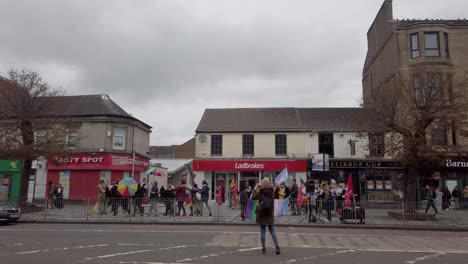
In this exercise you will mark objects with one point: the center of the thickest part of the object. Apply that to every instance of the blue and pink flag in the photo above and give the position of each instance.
(283, 176)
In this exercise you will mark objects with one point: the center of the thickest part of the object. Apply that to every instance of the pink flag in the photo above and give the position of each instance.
(219, 197)
(349, 191)
(300, 196)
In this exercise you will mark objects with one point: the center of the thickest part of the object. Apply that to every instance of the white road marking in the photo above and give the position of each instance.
(134, 252)
(413, 251)
(136, 244)
(424, 258)
(321, 256)
(59, 249)
(9, 245)
(248, 249)
(122, 254)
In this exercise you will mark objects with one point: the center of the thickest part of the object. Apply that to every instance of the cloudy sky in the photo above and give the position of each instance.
(165, 61)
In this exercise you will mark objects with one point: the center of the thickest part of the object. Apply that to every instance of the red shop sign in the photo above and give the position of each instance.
(249, 165)
(98, 162)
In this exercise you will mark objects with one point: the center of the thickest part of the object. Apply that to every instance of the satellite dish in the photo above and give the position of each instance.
(202, 138)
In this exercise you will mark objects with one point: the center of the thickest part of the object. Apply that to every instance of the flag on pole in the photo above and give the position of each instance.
(283, 176)
(300, 196)
(349, 191)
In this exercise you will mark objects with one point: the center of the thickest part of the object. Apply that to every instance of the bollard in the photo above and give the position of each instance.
(45, 208)
(87, 209)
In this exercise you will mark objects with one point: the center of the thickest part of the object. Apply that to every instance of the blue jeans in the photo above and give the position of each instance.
(271, 228)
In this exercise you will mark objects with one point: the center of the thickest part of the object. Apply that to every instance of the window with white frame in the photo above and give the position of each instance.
(119, 138)
(71, 137)
(376, 144)
(40, 136)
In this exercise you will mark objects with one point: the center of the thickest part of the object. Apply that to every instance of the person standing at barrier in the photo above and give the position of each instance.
(243, 197)
(430, 196)
(456, 194)
(181, 195)
(293, 198)
(59, 196)
(327, 201)
(50, 195)
(115, 197)
(101, 196)
(446, 199)
(194, 203)
(138, 200)
(264, 193)
(154, 199)
(205, 195)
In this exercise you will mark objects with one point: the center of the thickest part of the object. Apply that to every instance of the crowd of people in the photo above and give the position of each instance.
(172, 199)
(442, 199)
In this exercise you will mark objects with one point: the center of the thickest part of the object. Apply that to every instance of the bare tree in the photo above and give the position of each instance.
(29, 125)
(422, 109)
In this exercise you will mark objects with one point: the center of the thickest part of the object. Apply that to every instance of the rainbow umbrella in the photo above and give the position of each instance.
(127, 187)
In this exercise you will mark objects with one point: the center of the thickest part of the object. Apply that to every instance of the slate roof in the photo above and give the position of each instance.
(413, 22)
(283, 120)
(78, 106)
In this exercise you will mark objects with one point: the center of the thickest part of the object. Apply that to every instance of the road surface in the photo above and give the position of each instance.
(151, 244)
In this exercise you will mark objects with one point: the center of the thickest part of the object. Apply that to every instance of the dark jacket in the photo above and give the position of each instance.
(205, 192)
(294, 191)
(193, 194)
(262, 217)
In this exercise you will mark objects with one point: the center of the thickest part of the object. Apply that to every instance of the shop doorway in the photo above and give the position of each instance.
(249, 179)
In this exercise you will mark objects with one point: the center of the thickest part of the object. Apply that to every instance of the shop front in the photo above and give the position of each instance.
(79, 174)
(452, 172)
(373, 180)
(242, 174)
(10, 179)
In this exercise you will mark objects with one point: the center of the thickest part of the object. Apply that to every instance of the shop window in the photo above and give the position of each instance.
(326, 144)
(216, 145)
(414, 43)
(71, 138)
(248, 145)
(281, 145)
(376, 145)
(431, 44)
(119, 138)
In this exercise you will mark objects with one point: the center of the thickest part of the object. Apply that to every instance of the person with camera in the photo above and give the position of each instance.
(264, 193)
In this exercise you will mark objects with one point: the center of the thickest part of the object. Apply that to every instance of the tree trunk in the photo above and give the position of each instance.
(27, 134)
(410, 189)
(24, 187)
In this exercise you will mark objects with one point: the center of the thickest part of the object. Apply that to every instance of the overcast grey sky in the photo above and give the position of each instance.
(165, 61)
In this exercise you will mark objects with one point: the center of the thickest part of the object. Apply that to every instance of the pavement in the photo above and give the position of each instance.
(375, 217)
(152, 244)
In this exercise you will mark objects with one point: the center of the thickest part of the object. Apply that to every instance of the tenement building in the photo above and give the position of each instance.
(243, 145)
(103, 142)
(395, 49)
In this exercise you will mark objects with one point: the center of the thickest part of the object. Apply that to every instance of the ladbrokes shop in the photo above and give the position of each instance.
(244, 172)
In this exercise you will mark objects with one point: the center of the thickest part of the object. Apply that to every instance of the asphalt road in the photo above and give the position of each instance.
(151, 244)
